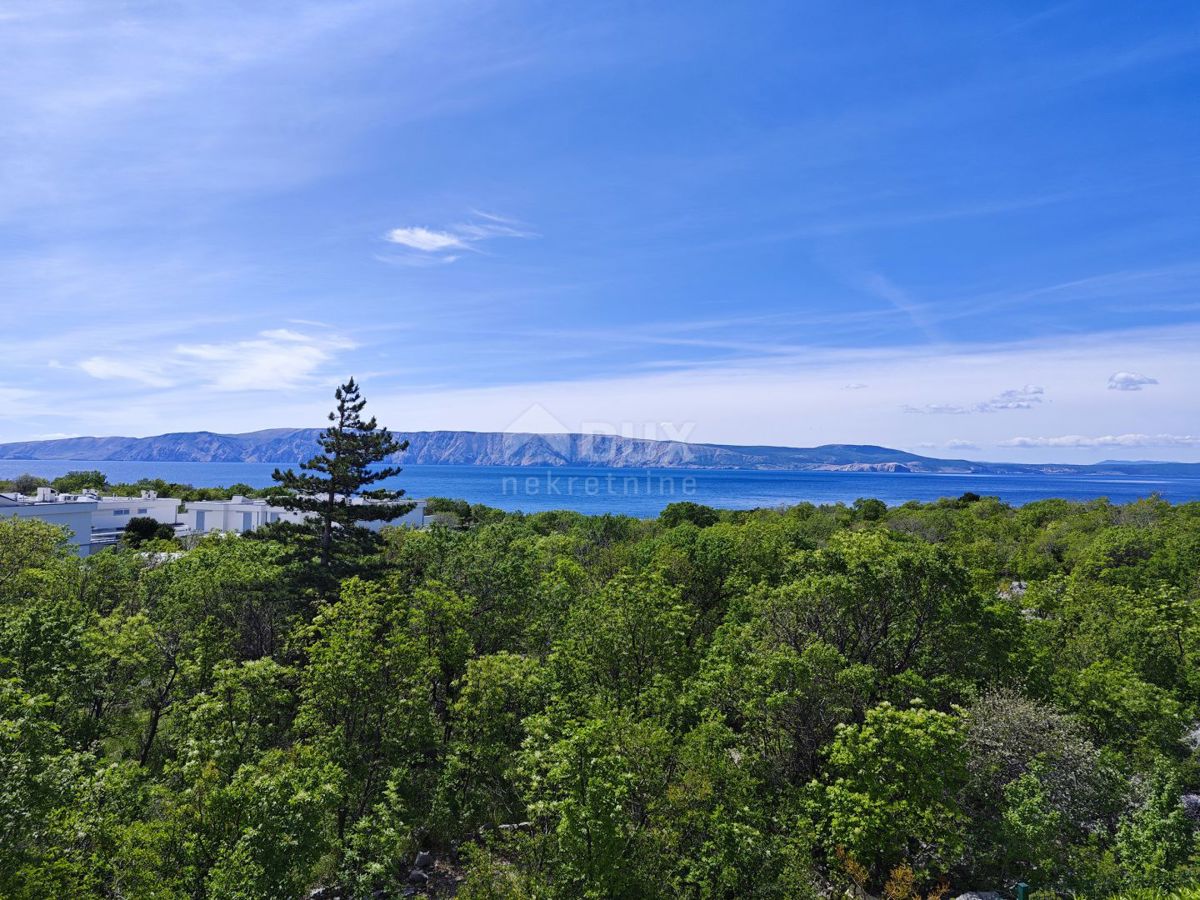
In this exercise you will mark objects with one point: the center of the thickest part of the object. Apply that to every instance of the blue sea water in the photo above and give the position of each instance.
(644, 492)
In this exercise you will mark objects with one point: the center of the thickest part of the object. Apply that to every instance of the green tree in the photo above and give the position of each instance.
(82, 480)
(479, 782)
(28, 548)
(31, 756)
(257, 835)
(1156, 840)
(365, 697)
(722, 833)
(142, 529)
(675, 514)
(334, 486)
(591, 786)
(626, 645)
(24, 484)
(1037, 787)
(891, 791)
(870, 509)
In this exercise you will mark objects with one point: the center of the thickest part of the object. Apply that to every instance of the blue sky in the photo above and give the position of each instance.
(963, 229)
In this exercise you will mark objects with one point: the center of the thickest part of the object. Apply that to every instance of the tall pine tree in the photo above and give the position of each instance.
(334, 486)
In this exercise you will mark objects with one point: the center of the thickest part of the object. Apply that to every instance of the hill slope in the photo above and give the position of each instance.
(477, 448)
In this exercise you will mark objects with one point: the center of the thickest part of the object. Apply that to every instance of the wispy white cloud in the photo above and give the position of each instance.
(147, 371)
(885, 289)
(1129, 381)
(274, 359)
(15, 395)
(431, 244)
(1016, 398)
(416, 260)
(939, 409)
(419, 238)
(960, 444)
(1107, 440)
(485, 226)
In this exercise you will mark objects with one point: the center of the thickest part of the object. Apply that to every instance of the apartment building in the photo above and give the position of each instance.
(75, 515)
(242, 514)
(238, 514)
(95, 522)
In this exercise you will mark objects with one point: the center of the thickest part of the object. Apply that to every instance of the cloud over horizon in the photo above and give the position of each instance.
(1015, 398)
(1129, 381)
(1077, 441)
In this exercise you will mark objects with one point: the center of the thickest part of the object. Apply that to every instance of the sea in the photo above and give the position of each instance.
(644, 492)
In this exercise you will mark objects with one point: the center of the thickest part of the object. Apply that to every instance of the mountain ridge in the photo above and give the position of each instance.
(288, 446)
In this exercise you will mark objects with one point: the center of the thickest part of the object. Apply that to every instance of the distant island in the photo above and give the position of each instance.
(477, 448)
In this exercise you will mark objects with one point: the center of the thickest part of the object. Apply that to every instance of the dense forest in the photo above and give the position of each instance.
(775, 703)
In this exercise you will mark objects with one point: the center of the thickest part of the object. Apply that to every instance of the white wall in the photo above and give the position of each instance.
(76, 517)
(206, 516)
(97, 523)
(414, 518)
(231, 515)
(114, 513)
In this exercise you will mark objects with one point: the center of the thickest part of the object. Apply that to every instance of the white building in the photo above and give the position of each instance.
(242, 514)
(414, 518)
(113, 514)
(239, 514)
(96, 522)
(75, 515)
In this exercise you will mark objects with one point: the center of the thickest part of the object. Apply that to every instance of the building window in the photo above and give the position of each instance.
(120, 512)
(142, 510)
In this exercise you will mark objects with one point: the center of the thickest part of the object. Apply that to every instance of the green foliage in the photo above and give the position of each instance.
(496, 695)
(1037, 787)
(625, 646)
(1156, 841)
(76, 481)
(23, 484)
(334, 486)
(870, 509)
(141, 530)
(590, 786)
(891, 791)
(675, 514)
(764, 704)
